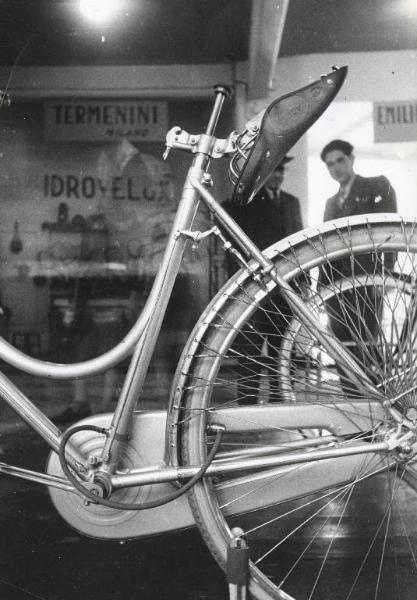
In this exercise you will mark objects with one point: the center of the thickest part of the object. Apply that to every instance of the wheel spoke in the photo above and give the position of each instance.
(259, 372)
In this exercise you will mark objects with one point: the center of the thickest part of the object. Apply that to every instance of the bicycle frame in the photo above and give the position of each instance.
(142, 339)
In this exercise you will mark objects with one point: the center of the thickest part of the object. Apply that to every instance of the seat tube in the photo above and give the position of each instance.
(162, 289)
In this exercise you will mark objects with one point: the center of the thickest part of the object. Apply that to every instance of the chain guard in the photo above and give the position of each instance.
(145, 448)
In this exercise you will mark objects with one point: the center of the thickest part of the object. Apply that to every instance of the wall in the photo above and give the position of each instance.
(128, 183)
(165, 81)
(372, 77)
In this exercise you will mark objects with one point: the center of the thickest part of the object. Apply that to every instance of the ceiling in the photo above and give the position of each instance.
(52, 32)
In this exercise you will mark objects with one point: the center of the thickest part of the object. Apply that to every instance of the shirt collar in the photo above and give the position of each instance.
(345, 189)
(272, 193)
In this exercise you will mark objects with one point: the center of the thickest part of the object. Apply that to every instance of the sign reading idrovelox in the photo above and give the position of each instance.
(99, 121)
(395, 121)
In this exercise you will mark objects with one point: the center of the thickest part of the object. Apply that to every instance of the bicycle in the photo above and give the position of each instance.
(319, 424)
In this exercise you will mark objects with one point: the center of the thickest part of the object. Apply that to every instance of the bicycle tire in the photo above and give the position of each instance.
(297, 341)
(207, 378)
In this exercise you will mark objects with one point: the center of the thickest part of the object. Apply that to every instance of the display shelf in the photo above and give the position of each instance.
(56, 227)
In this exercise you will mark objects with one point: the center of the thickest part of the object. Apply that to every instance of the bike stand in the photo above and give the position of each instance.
(237, 566)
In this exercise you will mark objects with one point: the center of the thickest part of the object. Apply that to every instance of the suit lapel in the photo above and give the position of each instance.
(354, 196)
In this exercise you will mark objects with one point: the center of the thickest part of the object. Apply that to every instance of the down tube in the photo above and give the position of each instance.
(36, 419)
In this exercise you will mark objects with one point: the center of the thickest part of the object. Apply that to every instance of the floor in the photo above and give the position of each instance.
(41, 558)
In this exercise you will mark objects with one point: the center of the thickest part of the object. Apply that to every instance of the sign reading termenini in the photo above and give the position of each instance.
(395, 121)
(99, 121)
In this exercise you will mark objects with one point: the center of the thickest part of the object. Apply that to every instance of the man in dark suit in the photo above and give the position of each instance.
(357, 195)
(272, 215)
(355, 315)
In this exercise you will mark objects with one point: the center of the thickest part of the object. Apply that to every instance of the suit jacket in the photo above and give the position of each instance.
(266, 221)
(367, 195)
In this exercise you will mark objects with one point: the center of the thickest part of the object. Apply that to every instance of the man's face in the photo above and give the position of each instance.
(340, 165)
(276, 178)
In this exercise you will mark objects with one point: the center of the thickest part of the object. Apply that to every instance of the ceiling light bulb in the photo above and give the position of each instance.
(99, 11)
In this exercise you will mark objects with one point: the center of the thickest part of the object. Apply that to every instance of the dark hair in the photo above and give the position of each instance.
(341, 145)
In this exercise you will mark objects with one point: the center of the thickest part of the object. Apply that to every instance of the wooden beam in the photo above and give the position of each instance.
(267, 25)
(139, 81)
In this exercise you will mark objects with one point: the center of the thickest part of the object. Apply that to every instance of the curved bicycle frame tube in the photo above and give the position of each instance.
(42, 368)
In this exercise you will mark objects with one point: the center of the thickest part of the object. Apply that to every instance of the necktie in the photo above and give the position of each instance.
(343, 194)
(275, 199)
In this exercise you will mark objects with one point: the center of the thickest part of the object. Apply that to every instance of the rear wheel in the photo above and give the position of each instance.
(253, 368)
